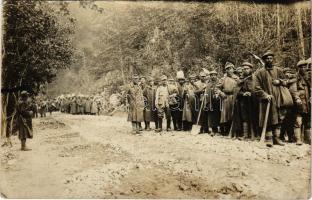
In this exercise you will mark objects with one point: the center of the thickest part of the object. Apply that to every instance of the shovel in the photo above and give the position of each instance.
(196, 127)
(265, 122)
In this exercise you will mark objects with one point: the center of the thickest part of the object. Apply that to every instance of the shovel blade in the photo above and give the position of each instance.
(195, 129)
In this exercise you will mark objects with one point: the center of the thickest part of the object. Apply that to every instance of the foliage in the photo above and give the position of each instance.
(151, 38)
(36, 43)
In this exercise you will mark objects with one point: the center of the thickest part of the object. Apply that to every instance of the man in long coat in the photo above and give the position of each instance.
(268, 81)
(180, 101)
(303, 105)
(189, 99)
(244, 119)
(73, 105)
(136, 104)
(24, 120)
(228, 86)
(149, 96)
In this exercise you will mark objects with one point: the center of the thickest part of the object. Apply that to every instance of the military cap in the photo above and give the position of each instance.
(192, 76)
(228, 65)
(301, 62)
(170, 79)
(135, 76)
(213, 72)
(267, 53)
(202, 73)
(143, 77)
(247, 64)
(308, 61)
(287, 69)
(24, 93)
(163, 77)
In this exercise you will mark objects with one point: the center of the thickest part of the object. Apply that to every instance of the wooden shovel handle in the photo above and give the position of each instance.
(265, 122)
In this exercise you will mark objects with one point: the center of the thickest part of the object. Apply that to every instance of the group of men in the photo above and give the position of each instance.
(79, 104)
(240, 104)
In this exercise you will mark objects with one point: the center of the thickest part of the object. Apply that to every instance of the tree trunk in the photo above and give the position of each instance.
(261, 23)
(300, 35)
(278, 27)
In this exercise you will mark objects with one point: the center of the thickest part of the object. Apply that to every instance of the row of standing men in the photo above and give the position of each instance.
(235, 104)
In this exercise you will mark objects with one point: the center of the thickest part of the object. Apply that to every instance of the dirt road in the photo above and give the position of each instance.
(96, 157)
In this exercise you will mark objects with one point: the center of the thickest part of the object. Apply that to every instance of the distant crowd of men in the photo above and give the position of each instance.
(239, 104)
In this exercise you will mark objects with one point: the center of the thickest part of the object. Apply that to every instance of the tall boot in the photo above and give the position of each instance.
(139, 126)
(298, 136)
(276, 138)
(145, 123)
(156, 124)
(307, 136)
(168, 127)
(23, 144)
(134, 127)
(148, 128)
(269, 139)
(245, 130)
(160, 125)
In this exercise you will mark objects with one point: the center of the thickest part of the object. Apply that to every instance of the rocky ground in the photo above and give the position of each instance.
(97, 157)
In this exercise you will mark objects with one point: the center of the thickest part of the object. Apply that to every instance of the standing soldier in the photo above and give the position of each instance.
(136, 104)
(94, 106)
(290, 117)
(73, 105)
(88, 105)
(79, 105)
(268, 81)
(245, 103)
(213, 102)
(162, 104)
(200, 87)
(189, 114)
(24, 120)
(180, 100)
(303, 117)
(173, 103)
(149, 95)
(228, 86)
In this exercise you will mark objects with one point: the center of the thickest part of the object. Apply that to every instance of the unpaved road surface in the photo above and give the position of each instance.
(97, 157)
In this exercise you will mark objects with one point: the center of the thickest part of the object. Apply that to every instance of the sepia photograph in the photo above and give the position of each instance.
(155, 99)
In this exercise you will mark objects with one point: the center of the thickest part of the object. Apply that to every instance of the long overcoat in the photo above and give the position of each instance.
(263, 87)
(228, 85)
(24, 120)
(149, 103)
(136, 103)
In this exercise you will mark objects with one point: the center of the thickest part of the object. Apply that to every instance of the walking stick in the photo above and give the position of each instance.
(196, 128)
(265, 122)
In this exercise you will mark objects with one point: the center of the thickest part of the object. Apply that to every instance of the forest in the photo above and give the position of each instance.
(151, 38)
